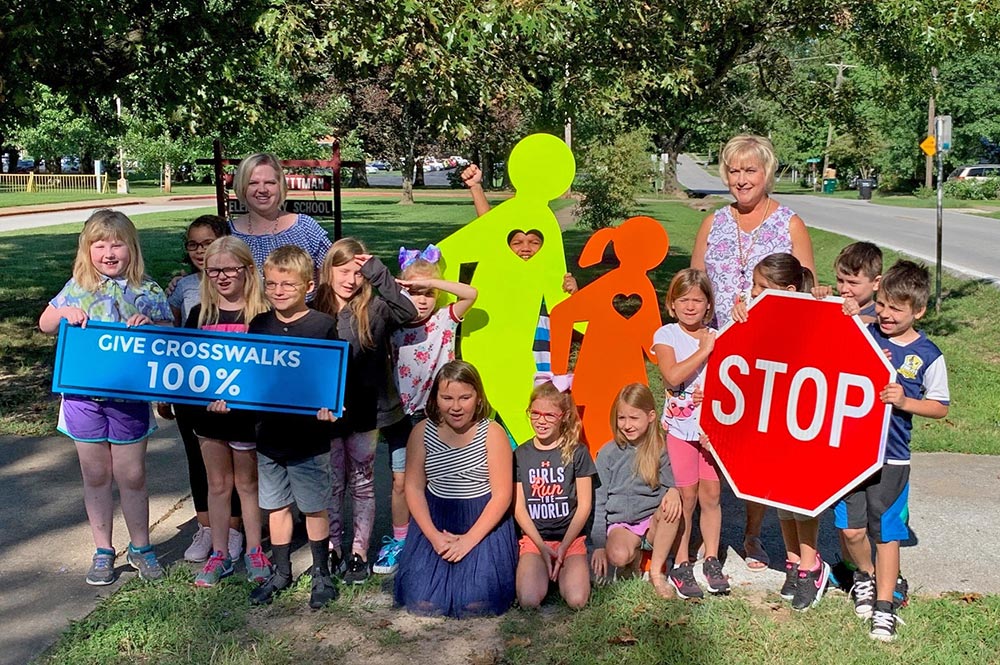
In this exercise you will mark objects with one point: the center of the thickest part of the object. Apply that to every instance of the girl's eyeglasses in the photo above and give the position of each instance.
(545, 417)
(193, 246)
(232, 271)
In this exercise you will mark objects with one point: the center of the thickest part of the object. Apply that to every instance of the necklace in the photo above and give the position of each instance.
(743, 257)
(274, 227)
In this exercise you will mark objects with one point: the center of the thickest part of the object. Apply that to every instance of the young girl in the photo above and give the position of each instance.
(682, 349)
(553, 497)
(358, 290)
(184, 293)
(420, 349)
(637, 506)
(109, 284)
(460, 549)
(231, 296)
(805, 571)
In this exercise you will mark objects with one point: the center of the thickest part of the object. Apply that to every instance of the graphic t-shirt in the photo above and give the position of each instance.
(229, 321)
(550, 486)
(419, 351)
(680, 415)
(921, 371)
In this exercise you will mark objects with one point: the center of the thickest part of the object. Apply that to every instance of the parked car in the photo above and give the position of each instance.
(381, 165)
(976, 172)
(371, 168)
(25, 165)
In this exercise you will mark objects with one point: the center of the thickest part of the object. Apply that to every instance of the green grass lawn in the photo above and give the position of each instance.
(14, 199)
(967, 330)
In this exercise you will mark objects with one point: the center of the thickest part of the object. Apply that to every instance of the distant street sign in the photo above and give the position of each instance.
(929, 146)
(943, 128)
(813, 160)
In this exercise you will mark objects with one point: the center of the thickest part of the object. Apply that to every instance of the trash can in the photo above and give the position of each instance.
(865, 187)
(829, 185)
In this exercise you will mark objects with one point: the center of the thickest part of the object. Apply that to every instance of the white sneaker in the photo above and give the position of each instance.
(235, 544)
(201, 545)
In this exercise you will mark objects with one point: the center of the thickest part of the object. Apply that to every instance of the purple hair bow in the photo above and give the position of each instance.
(407, 256)
(562, 382)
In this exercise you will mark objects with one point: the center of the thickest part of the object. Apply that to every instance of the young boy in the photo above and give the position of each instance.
(878, 507)
(293, 451)
(859, 271)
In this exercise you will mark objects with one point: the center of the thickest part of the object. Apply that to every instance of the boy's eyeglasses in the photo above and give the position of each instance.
(193, 246)
(232, 271)
(545, 417)
(282, 286)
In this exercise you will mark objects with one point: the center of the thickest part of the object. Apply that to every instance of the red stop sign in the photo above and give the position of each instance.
(792, 402)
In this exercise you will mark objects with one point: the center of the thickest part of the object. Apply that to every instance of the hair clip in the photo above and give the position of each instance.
(562, 382)
(407, 256)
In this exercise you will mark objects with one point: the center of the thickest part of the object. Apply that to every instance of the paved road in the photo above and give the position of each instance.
(969, 241)
(79, 215)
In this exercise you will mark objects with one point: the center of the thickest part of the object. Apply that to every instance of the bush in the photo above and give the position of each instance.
(923, 192)
(611, 177)
(972, 190)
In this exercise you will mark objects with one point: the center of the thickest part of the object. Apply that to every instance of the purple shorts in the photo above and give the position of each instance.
(639, 528)
(94, 420)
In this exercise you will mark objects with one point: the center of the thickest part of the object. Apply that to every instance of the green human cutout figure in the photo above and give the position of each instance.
(498, 331)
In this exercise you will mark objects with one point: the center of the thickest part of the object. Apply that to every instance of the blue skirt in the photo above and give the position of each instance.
(482, 583)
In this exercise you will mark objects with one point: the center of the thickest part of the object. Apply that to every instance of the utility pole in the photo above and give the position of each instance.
(829, 130)
(929, 162)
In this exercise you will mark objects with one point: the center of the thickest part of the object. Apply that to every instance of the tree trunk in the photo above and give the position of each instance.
(359, 177)
(418, 173)
(407, 175)
(671, 187)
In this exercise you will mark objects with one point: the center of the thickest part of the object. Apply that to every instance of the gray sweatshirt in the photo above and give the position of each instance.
(622, 495)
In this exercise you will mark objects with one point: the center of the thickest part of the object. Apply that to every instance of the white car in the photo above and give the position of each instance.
(976, 172)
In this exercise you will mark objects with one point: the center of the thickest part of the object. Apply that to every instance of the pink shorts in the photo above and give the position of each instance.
(639, 528)
(690, 462)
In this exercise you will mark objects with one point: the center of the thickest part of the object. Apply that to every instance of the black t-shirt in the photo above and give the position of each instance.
(286, 437)
(550, 486)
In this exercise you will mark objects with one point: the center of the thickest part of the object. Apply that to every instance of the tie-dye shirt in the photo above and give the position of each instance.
(116, 301)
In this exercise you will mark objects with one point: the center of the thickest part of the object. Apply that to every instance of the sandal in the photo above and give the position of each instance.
(756, 556)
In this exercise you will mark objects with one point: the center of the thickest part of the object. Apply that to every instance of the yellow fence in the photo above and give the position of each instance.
(47, 182)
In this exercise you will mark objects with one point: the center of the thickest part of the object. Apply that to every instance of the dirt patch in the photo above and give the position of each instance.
(360, 633)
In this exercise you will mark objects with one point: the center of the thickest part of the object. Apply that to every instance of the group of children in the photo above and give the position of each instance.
(454, 547)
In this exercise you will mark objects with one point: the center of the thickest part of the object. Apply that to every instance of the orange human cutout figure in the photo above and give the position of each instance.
(614, 349)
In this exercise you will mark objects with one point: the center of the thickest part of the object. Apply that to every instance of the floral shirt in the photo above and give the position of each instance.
(419, 351)
(116, 301)
(728, 273)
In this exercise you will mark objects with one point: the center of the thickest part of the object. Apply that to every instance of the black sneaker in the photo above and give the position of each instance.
(791, 578)
(682, 579)
(323, 590)
(336, 564)
(884, 622)
(810, 586)
(717, 582)
(900, 595)
(264, 594)
(357, 571)
(863, 593)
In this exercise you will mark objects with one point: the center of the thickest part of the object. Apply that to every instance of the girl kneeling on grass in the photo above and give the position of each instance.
(637, 506)
(231, 296)
(109, 284)
(553, 497)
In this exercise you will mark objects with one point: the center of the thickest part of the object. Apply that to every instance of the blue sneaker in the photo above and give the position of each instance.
(144, 560)
(219, 565)
(388, 557)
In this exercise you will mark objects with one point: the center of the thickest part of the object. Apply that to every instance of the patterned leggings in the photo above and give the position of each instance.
(352, 462)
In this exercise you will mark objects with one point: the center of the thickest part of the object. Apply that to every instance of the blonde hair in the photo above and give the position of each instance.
(243, 172)
(749, 148)
(461, 372)
(570, 425)
(682, 283)
(650, 446)
(107, 225)
(293, 259)
(253, 294)
(421, 268)
(341, 253)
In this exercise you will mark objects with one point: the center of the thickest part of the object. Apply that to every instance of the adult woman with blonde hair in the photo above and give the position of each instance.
(734, 239)
(260, 186)
(357, 289)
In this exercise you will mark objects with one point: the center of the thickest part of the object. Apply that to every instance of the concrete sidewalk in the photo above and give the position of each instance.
(46, 545)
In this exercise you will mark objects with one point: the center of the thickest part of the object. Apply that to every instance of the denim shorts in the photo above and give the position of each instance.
(396, 435)
(304, 482)
(96, 420)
